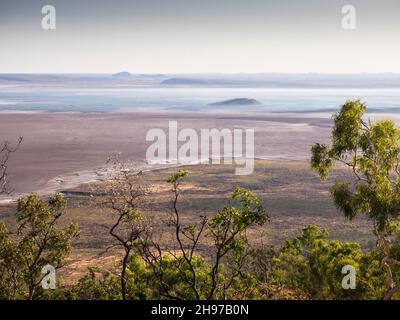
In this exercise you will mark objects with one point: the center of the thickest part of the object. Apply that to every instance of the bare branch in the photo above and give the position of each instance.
(5, 151)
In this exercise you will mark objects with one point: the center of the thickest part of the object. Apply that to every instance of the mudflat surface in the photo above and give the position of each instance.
(62, 150)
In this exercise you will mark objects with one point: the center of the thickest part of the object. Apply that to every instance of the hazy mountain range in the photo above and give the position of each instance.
(267, 80)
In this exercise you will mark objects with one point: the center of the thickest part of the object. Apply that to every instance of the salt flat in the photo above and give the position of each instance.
(62, 150)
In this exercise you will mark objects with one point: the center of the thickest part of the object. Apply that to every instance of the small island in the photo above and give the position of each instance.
(122, 75)
(237, 102)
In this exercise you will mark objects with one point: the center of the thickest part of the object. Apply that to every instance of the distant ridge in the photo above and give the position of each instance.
(281, 80)
(260, 80)
(122, 75)
(237, 102)
(184, 81)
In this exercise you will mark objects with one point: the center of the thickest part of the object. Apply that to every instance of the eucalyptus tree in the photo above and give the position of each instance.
(40, 241)
(371, 150)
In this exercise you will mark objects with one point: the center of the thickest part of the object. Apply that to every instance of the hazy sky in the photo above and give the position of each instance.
(188, 36)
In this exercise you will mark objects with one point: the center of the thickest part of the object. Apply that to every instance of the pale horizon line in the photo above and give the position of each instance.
(203, 73)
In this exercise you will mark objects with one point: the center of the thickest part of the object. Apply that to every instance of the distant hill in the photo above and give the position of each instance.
(152, 75)
(237, 102)
(12, 78)
(122, 75)
(184, 81)
(282, 80)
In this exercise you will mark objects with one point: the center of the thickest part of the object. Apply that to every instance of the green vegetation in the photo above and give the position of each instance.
(212, 257)
(39, 242)
(371, 151)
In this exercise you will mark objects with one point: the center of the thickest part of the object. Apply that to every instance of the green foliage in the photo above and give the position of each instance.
(96, 285)
(141, 284)
(306, 267)
(313, 264)
(176, 177)
(177, 272)
(39, 241)
(321, 160)
(372, 152)
(8, 265)
(347, 128)
(251, 212)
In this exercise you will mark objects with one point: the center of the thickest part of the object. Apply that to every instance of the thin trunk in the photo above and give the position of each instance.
(31, 292)
(123, 273)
